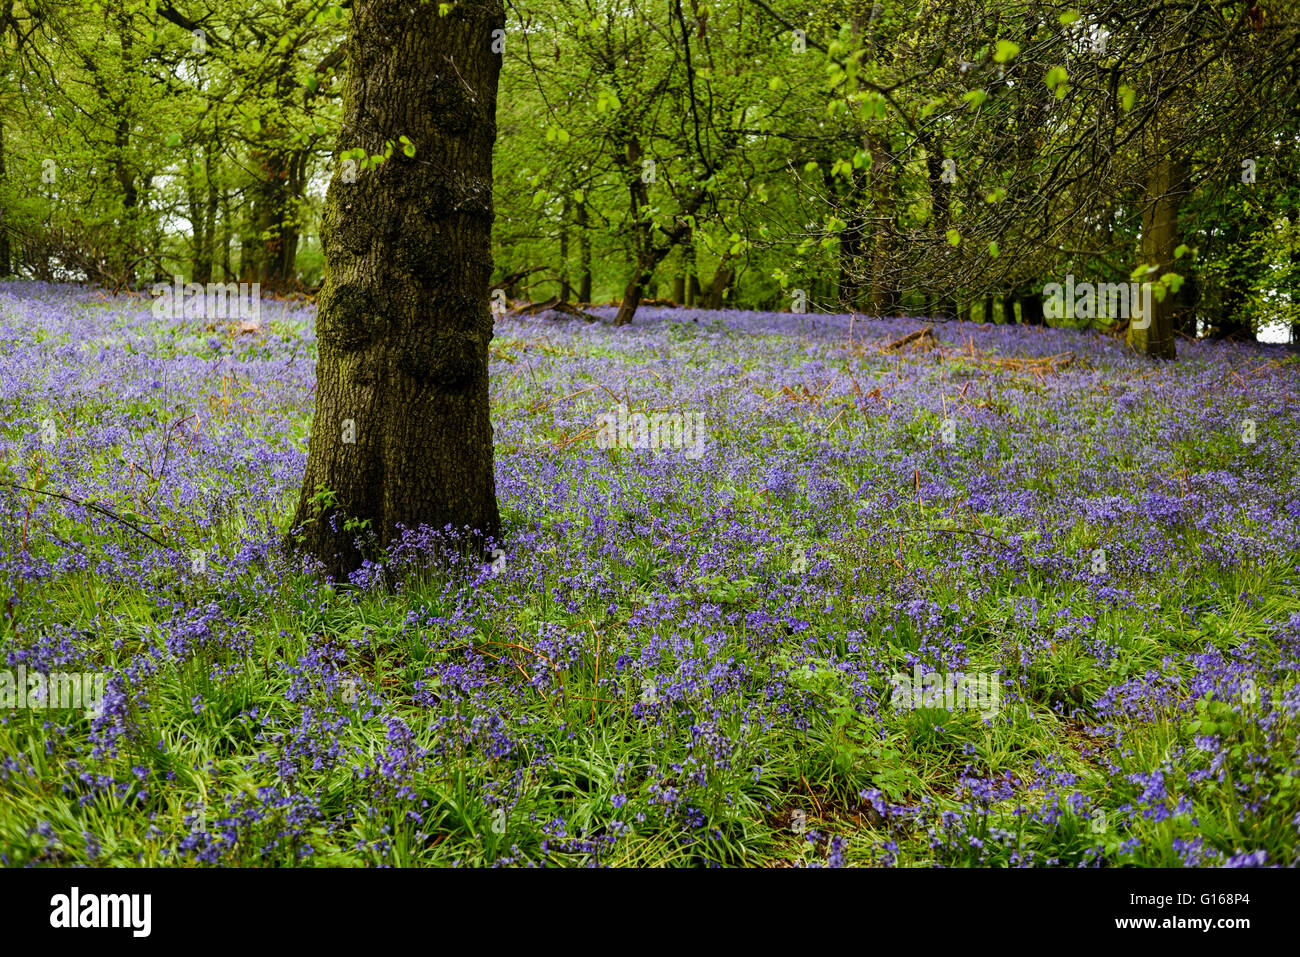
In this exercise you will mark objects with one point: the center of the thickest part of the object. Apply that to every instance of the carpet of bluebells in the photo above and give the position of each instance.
(671, 660)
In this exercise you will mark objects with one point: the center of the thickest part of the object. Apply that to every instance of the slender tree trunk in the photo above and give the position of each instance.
(196, 222)
(722, 279)
(565, 292)
(584, 252)
(688, 265)
(1031, 308)
(401, 435)
(202, 223)
(1165, 186)
(227, 237)
(6, 257)
(210, 216)
(853, 244)
(271, 213)
(1295, 276)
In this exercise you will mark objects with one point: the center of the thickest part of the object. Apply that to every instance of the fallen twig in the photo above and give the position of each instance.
(918, 336)
(555, 305)
(96, 507)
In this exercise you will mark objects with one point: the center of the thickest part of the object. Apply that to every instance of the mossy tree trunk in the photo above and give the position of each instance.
(401, 435)
(1165, 186)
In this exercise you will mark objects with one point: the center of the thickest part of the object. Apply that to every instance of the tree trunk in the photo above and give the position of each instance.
(202, 218)
(227, 238)
(632, 295)
(988, 308)
(565, 292)
(403, 320)
(5, 255)
(275, 215)
(1031, 309)
(1165, 185)
(885, 296)
(1295, 276)
(721, 281)
(688, 262)
(584, 251)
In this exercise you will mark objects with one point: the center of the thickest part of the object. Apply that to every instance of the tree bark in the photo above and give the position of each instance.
(584, 250)
(1295, 276)
(1165, 186)
(1031, 308)
(403, 320)
(565, 291)
(227, 237)
(276, 196)
(5, 255)
(722, 279)
(942, 305)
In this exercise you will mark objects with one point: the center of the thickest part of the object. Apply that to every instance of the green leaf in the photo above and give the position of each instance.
(1068, 17)
(1182, 251)
(954, 237)
(993, 249)
(1006, 51)
(1056, 76)
(174, 139)
(975, 98)
(1126, 97)
(1172, 280)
